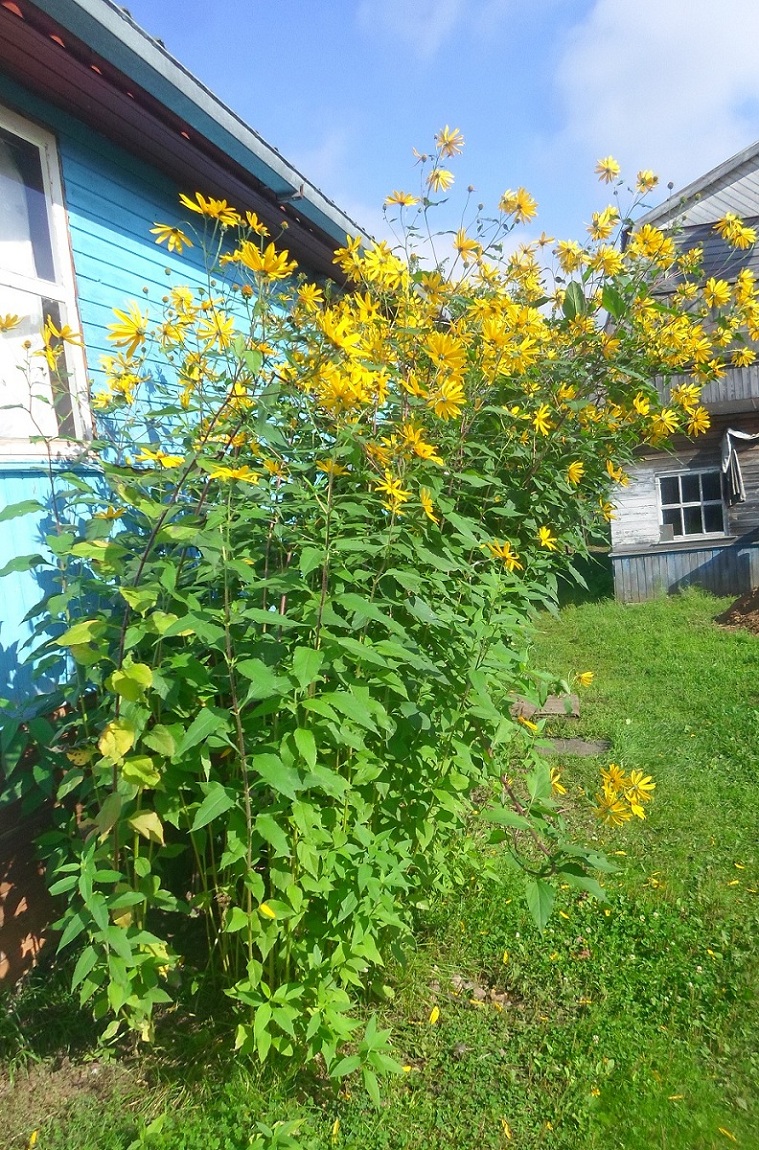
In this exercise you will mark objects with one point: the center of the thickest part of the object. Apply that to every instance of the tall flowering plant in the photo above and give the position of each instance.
(291, 615)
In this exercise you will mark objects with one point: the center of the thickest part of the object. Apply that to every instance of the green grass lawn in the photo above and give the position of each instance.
(629, 1025)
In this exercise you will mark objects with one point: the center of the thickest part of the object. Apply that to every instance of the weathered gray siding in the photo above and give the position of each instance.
(729, 569)
(644, 566)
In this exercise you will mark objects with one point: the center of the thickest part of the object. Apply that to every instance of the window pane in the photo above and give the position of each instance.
(692, 520)
(713, 520)
(25, 246)
(691, 488)
(670, 490)
(673, 517)
(27, 400)
(711, 485)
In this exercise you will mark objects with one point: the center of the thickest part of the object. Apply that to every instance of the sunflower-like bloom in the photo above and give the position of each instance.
(449, 141)
(440, 180)
(505, 552)
(646, 181)
(174, 238)
(542, 419)
(547, 539)
(131, 330)
(611, 809)
(519, 204)
(403, 199)
(267, 262)
(212, 209)
(575, 472)
(428, 507)
(607, 169)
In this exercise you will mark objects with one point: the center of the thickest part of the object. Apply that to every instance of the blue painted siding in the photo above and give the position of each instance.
(112, 200)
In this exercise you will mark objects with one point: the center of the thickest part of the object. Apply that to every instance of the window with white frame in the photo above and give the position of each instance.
(691, 503)
(39, 405)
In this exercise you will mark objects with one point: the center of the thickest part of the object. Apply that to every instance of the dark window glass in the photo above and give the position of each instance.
(692, 520)
(670, 490)
(673, 517)
(691, 488)
(711, 485)
(713, 520)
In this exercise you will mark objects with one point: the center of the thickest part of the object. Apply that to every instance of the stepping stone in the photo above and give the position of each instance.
(555, 707)
(583, 747)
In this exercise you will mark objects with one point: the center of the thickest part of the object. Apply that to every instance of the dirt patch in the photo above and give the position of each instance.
(743, 613)
(34, 1095)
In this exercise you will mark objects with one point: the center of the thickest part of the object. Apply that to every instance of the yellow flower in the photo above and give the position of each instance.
(394, 492)
(556, 783)
(255, 224)
(546, 539)
(440, 180)
(266, 910)
(570, 255)
(428, 507)
(735, 232)
(130, 332)
(585, 678)
(607, 169)
(614, 778)
(310, 296)
(269, 262)
(335, 1132)
(646, 181)
(174, 238)
(213, 209)
(243, 473)
(607, 510)
(447, 399)
(616, 473)
(404, 199)
(505, 552)
(434, 1015)
(145, 455)
(528, 723)
(467, 248)
(639, 788)
(519, 204)
(65, 333)
(575, 472)
(642, 404)
(716, 292)
(450, 141)
(603, 223)
(8, 322)
(541, 419)
(610, 809)
(330, 467)
(699, 421)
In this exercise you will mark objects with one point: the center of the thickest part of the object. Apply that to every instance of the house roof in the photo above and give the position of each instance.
(94, 61)
(733, 186)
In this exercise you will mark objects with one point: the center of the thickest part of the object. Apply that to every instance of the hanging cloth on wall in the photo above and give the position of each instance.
(731, 468)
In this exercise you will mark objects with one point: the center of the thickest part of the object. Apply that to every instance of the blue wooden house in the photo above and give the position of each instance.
(100, 130)
(690, 515)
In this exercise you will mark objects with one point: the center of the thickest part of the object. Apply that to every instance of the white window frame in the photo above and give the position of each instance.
(682, 504)
(62, 291)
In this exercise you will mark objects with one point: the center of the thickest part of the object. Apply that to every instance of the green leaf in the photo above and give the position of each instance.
(612, 301)
(148, 824)
(306, 744)
(25, 507)
(284, 780)
(306, 665)
(372, 1085)
(139, 599)
(264, 683)
(205, 724)
(272, 833)
(85, 963)
(117, 739)
(131, 682)
(22, 563)
(310, 559)
(540, 898)
(217, 802)
(83, 632)
(140, 771)
(539, 782)
(507, 818)
(160, 739)
(574, 300)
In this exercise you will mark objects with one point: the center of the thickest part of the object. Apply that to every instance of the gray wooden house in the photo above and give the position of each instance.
(690, 514)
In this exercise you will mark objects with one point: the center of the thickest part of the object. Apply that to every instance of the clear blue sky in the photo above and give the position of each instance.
(540, 88)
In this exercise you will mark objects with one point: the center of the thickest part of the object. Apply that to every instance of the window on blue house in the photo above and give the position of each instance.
(39, 408)
(691, 503)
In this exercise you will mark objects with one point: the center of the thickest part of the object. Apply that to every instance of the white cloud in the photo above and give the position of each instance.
(668, 84)
(422, 25)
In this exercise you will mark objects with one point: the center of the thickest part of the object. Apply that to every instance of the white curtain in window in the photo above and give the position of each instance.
(16, 250)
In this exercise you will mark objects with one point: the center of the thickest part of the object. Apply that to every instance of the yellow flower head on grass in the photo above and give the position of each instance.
(611, 809)
(434, 1015)
(174, 238)
(585, 678)
(556, 784)
(607, 169)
